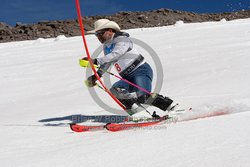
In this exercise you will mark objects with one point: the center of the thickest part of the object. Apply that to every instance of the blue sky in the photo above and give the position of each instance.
(32, 11)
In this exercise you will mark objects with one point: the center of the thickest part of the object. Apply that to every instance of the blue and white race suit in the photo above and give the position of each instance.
(121, 53)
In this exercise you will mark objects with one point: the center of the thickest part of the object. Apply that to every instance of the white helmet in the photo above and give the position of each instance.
(103, 24)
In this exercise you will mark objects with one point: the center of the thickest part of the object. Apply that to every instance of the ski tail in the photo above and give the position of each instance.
(82, 128)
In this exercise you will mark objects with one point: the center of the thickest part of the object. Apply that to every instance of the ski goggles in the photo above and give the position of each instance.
(100, 33)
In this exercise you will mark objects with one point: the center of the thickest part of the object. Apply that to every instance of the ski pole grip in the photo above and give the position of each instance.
(85, 63)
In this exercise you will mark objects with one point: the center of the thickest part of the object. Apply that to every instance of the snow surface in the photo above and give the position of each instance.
(206, 66)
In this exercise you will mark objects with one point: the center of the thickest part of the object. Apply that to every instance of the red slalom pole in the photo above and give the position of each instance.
(89, 58)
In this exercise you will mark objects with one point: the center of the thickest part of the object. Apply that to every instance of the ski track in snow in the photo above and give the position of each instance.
(206, 66)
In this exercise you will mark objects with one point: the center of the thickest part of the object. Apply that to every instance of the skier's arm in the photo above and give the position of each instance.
(122, 46)
(103, 68)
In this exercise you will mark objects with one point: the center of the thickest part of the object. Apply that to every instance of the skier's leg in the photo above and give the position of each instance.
(143, 77)
(127, 93)
(122, 91)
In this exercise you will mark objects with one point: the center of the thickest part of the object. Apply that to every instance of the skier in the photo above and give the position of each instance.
(120, 52)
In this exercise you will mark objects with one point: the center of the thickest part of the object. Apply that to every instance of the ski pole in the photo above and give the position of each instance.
(144, 90)
(85, 63)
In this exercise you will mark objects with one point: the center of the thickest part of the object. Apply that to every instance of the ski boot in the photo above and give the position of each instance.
(128, 103)
(127, 98)
(156, 100)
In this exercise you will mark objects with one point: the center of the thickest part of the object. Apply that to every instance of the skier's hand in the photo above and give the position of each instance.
(91, 81)
(84, 62)
(85, 58)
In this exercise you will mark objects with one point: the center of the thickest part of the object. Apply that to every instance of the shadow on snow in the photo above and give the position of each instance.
(59, 121)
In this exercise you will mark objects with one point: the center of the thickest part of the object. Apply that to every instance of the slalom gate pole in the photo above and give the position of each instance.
(88, 54)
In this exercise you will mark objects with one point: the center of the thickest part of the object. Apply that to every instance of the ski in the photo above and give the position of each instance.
(84, 128)
(114, 127)
(129, 123)
(133, 122)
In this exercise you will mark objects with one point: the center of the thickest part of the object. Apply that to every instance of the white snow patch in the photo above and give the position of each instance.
(60, 37)
(179, 23)
(223, 20)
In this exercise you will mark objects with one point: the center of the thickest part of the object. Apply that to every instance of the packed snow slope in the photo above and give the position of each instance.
(206, 66)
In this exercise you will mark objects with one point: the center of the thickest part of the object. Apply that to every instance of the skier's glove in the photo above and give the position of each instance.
(91, 81)
(84, 62)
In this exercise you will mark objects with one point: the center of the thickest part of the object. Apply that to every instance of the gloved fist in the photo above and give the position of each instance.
(94, 61)
(85, 58)
(91, 81)
(83, 63)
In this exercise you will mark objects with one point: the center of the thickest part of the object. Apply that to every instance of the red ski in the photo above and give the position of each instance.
(85, 128)
(114, 127)
(139, 123)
